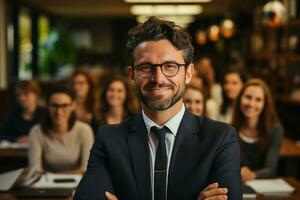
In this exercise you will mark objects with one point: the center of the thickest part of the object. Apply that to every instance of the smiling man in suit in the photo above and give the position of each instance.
(165, 152)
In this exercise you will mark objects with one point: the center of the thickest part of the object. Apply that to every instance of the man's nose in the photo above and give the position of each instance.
(157, 74)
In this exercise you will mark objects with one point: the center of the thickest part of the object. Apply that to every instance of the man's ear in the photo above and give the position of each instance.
(189, 73)
(130, 73)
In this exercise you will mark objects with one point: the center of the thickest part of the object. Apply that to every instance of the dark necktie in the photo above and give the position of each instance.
(161, 159)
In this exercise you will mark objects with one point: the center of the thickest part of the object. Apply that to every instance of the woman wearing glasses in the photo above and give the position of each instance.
(60, 143)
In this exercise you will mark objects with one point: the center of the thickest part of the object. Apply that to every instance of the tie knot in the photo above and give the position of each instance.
(160, 132)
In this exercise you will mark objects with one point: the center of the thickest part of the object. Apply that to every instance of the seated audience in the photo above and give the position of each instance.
(234, 79)
(27, 113)
(116, 101)
(194, 99)
(60, 143)
(87, 102)
(259, 131)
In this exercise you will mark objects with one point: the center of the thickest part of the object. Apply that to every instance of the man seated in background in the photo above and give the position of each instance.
(27, 113)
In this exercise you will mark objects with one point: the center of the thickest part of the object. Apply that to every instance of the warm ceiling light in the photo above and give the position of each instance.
(227, 28)
(213, 33)
(166, 9)
(167, 1)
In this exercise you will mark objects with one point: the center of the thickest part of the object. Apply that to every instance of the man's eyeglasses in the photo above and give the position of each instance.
(169, 69)
(56, 106)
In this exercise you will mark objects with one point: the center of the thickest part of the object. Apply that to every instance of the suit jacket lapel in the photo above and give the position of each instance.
(186, 139)
(139, 150)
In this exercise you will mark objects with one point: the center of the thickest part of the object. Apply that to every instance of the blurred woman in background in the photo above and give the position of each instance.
(259, 131)
(60, 143)
(194, 99)
(234, 79)
(117, 100)
(28, 112)
(87, 102)
(206, 68)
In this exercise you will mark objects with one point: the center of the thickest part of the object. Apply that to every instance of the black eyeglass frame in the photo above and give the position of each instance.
(153, 66)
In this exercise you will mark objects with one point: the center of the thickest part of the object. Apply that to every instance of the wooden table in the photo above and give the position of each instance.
(13, 153)
(11, 159)
(289, 162)
(11, 196)
(289, 149)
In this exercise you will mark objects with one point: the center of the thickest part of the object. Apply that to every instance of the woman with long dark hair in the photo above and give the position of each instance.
(60, 143)
(233, 81)
(259, 130)
(87, 102)
(117, 100)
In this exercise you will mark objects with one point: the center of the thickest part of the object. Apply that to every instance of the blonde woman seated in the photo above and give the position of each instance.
(194, 99)
(60, 143)
(259, 131)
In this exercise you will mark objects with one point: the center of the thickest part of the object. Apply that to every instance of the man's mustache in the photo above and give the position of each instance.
(153, 85)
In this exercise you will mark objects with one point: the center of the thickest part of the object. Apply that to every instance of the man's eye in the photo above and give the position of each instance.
(144, 68)
(170, 66)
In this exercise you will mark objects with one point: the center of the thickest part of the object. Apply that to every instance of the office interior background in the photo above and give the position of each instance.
(48, 39)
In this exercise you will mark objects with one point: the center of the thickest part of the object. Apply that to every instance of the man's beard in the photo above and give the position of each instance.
(154, 104)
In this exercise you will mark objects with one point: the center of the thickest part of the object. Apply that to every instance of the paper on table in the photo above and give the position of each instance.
(4, 144)
(271, 187)
(8, 179)
(50, 180)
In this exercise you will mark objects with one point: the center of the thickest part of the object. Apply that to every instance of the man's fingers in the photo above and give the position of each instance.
(110, 196)
(220, 197)
(216, 192)
(211, 186)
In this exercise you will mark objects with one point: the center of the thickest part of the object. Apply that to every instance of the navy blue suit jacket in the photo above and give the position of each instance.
(205, 151)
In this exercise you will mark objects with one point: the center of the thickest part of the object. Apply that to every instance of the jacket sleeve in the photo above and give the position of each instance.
(96, 180)
(226, 165)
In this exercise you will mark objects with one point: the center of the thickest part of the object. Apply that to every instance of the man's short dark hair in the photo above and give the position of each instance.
(157, 29)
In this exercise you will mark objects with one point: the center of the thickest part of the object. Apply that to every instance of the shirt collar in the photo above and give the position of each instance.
(172, 124)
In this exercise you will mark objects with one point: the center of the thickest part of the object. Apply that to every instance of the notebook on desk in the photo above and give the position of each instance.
(271, 187)
(45, 193)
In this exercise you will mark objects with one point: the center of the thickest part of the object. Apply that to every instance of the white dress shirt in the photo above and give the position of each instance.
(173, 125)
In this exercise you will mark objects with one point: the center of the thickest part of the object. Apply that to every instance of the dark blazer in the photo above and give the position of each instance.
(204, 151)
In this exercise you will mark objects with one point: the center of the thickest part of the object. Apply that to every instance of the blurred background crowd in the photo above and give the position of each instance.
(63, 73)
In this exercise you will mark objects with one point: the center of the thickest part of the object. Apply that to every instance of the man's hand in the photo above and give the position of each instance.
(110, 196)
(247, 174)
(212, 192)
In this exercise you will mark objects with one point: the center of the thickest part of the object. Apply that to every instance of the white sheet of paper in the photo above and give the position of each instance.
(48, 181)
(271, 186)
(4, 144)
(8, 179)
